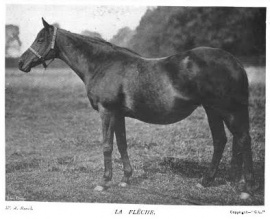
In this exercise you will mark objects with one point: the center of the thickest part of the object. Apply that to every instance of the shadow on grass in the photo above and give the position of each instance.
(192, 169)
(24, 165)
(186, 168)
(22, 161)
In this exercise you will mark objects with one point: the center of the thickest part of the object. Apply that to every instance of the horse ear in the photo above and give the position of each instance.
(45, 24)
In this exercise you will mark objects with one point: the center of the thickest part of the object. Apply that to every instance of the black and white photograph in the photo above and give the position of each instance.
(134, 108)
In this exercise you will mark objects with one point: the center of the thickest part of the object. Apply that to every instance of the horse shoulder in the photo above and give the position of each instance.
(108, 87)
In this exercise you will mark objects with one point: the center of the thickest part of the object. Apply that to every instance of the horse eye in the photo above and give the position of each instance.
(40, 40)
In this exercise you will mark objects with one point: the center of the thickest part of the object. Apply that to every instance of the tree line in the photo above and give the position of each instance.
(167, 30)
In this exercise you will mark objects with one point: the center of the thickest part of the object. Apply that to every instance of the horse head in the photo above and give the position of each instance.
(42, 49)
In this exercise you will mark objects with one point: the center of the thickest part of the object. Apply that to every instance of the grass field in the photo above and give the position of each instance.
(53, 150)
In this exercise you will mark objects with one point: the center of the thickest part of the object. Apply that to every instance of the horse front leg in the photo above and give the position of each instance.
(120, 133)
(108, 123)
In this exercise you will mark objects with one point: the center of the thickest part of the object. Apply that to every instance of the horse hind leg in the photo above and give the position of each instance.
(219, 141)
(241, 164)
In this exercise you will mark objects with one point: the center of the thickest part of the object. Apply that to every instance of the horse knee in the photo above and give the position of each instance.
(220, 142)
(243, 141)
(107, 149)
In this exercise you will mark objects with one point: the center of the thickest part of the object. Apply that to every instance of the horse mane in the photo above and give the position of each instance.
(104, 42)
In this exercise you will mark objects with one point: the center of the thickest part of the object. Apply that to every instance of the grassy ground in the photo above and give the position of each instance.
(53, 150)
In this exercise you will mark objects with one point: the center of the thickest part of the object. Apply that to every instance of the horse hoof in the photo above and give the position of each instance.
(252, 187)
(123, 184)
(99, 188)
(244, 195)
(207, 182)
(199, 185)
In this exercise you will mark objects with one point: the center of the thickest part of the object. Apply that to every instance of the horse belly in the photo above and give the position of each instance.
(158, 112)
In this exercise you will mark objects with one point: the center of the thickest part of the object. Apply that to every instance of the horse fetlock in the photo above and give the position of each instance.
(241, 186)
(249, 177)
(107, 176)
(252, 186)
(128, 171)
(235, 173)
(207, 181)
(125, 180)
(127, 174)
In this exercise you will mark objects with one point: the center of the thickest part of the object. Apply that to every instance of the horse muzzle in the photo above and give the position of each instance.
(23, 67)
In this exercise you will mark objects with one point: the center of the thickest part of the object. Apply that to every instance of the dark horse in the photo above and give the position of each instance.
(120, 83)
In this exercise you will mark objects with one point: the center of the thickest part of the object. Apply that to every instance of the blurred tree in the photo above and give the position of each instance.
(167, 30)
(151, 31)
(91, 34)
(13, 42)
(123, 37)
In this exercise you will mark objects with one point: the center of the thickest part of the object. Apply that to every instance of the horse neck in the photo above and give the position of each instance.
(85, 57)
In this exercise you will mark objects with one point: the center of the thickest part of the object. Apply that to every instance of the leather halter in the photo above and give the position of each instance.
(42, 57)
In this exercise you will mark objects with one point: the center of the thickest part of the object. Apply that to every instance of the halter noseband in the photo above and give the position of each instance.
(42, 58)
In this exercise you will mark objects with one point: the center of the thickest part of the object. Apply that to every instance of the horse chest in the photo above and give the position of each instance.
(106, 94)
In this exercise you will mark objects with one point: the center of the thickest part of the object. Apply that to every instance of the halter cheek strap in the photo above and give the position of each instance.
(42, 58)
(34, 51)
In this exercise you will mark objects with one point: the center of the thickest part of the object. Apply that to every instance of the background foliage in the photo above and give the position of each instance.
(166, 30)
